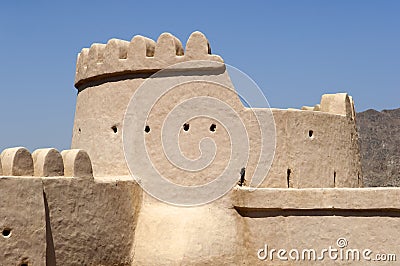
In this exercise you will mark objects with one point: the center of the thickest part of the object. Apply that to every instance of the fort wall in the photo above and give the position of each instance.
(315, 147)
(83, 206)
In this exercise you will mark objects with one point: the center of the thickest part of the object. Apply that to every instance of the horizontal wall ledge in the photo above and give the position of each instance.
(273, 199)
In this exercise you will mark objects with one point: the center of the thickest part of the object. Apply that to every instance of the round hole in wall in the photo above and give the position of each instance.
(310, 133)
(213, 127)
(186, 126)
(6, 232)
(79, 130)
(147, 129)
(24, 264)
(114, 129)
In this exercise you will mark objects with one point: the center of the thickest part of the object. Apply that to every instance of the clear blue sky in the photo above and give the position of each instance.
(294, 50)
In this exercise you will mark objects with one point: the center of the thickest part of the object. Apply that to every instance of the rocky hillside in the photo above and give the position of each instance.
(380, 147)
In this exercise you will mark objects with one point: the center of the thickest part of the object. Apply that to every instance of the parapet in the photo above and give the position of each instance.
(140, 55)
(339, 104)
(19, 161)
(47, 162)
(77, 163)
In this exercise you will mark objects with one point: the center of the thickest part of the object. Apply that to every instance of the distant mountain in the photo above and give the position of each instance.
(380, 147)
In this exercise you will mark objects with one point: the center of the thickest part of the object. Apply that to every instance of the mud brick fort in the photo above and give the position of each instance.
(88, 205)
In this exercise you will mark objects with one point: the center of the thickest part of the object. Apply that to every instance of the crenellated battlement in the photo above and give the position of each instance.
(293, 175)
(140, 55)
(19, 161)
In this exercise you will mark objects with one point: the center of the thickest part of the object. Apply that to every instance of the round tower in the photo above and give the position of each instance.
(107, 75)
(313, 147)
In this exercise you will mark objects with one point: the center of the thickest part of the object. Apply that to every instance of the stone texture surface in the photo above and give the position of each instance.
(67, 221)
(22, 221)
(17, 162)
(318, 231)
(47, 162)
(92, 223)
(77, 163)
(320, 160)
(380, 147)
(141, 54)
(310, 152)
(98, 110)
(317, 198)
(339, 103)
(315, 219)
(204, 235)
(231, 230)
